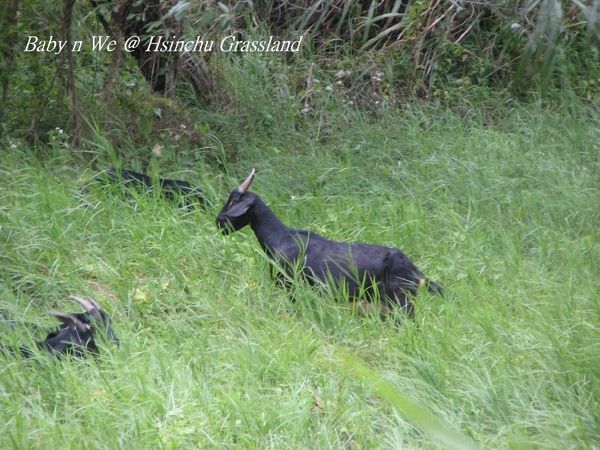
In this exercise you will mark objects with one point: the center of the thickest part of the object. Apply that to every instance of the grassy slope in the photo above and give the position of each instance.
(504, 215)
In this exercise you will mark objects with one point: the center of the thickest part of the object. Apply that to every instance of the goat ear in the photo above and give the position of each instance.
(238, 209)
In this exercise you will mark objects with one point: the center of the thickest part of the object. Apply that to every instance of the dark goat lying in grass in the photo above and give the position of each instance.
(78, 332)
(368, 272)
(170, 189)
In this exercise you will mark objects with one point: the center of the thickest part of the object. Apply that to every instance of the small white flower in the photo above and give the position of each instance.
(328, 88)
(515, 26)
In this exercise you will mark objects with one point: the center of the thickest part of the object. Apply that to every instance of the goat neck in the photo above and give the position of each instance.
(268, 228)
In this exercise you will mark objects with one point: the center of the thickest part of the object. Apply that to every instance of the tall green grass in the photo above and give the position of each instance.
(503, 213)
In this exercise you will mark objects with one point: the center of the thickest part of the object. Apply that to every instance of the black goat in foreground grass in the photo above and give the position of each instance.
(78, 332)
(367, 272)
(183, 191)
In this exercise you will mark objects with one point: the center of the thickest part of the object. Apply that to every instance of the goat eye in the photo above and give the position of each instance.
(232, 203)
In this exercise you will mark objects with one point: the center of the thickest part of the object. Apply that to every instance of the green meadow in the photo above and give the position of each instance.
(501, 208)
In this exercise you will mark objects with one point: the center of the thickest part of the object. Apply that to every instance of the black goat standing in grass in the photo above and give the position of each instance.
(368, 272)
(78, 332)
(170, 189)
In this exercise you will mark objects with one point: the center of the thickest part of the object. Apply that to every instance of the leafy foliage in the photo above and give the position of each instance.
(385, 53)
(450, 45)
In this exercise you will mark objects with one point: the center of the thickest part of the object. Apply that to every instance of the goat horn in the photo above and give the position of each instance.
(246, 184)
(95, 303)
(70, 319)
(87, 305)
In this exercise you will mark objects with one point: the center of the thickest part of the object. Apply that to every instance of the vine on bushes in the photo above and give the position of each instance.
(374, 53)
